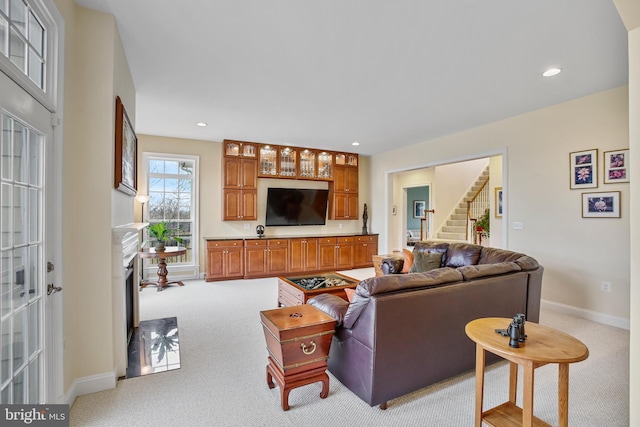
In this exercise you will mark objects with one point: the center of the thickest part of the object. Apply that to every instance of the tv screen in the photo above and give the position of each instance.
(296, 206)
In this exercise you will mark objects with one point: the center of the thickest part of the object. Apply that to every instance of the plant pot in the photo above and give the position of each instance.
(159, 247)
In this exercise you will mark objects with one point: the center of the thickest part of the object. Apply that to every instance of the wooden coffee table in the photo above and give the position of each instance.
(291, 291)
(543, 345)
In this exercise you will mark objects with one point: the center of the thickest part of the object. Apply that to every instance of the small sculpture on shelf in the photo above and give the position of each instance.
(365, 217)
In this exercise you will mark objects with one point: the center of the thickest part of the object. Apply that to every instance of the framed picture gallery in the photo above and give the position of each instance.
(601, 205)
(616, 166)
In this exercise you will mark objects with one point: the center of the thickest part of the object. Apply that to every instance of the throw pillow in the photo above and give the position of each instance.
(350, 293)
(408, 260)
(425, 261)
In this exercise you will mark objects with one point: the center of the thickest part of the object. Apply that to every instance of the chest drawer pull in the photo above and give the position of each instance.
(308, 350)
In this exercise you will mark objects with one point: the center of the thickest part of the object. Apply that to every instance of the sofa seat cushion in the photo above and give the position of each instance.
(470, 272)
(425, 261)
(461, 254)
(396, 282)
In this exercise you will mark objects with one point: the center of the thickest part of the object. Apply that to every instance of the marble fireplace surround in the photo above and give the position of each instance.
(126, 244)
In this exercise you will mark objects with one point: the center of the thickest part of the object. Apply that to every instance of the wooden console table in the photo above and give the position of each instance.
(543, 345)
(169, 251)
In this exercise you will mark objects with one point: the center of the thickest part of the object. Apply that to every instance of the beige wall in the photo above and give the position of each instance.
(95, 71)
(210, 209)
(577, 253)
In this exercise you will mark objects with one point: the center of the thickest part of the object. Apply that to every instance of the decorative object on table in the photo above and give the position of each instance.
(162, 233)
(260, 231)
(418, 208)
(498, 201)
(616, 166)
(601, 205)
(142, 199)
(584, 169)
(365, 217)
(125, 176)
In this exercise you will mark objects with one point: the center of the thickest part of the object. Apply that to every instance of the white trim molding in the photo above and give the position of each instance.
(90, 384)
(605, 319)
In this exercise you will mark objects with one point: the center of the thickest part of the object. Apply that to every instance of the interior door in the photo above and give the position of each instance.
(24, 247)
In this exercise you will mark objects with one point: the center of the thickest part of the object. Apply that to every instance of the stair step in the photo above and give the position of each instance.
(456, 230)
(452, 236)
(461, 211)
(457, 223)
(459, 217)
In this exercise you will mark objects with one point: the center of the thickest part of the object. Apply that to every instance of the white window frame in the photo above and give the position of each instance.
(47, 96)
(176, 270)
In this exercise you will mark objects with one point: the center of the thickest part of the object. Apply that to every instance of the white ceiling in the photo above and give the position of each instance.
(384, 73)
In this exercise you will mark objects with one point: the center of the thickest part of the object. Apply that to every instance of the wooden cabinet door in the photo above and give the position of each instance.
(215, 263)
(232, 204)
(340, 178)
(234, 262)
(296, 255)
(344, 253)
(255, 261)
(327, 257)
(351, 179)
(248, 208)
(278, 257)
(351, 206)
(311, 254)
(232, 172)
(249, 174)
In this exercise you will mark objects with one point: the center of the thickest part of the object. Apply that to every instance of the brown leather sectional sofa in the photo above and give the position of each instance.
(403, 332)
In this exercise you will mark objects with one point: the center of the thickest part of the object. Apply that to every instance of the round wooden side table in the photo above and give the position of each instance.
(543, 345)
(169, 251)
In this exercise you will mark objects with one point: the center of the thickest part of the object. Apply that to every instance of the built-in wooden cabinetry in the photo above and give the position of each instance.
(303, 255)
(266, 257)
(245, 162)
(225, 260)
(287, 256)
(240, 181)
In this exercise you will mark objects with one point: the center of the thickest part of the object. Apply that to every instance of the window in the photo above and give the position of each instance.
(172, 189)
(23, 39)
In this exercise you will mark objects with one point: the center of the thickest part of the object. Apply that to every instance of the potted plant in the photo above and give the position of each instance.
(162, 233)
(484, 223)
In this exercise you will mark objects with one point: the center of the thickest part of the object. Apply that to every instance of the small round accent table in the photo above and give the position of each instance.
(543, 345)
(169, 251)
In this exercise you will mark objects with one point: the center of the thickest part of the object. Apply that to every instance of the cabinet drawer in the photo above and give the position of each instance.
(278, 242)
(345, 239)
(366, 239)
(327, 240)
(255, 243)
(223, 243)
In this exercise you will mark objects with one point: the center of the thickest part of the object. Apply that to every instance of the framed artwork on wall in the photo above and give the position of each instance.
(418, 208)
(601, 205)
(616, 166)
(125, 176)
(584, 169)
(498, 202)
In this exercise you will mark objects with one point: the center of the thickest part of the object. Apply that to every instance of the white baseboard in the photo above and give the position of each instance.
(582, 313)
(91, 384)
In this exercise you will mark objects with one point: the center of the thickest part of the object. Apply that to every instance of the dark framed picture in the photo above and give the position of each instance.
(601, 205)
(125, 177)
(584, 169)
(498, 201)
(616, 166)
(418, 208)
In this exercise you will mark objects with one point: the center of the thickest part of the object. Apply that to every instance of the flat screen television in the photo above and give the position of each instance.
(296, 206)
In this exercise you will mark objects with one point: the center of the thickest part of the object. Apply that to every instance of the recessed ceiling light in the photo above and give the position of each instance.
(201, 124)
(552, 72)
(355, 143)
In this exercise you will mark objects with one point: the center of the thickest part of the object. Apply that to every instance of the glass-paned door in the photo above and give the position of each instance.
(21, 262)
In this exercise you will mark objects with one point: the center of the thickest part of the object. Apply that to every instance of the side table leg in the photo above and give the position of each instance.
(480, 360)
(325, 386)
(270, 378)
(513, 382)
(527, 395)
(563, 394)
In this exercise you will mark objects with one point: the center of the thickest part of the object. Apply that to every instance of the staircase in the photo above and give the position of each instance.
(456, 225)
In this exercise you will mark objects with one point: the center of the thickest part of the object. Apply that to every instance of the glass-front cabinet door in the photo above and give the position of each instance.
(288, 161)
(325, 165)
(240, 149)
(346, 159)
(267, 161)
(307, 166)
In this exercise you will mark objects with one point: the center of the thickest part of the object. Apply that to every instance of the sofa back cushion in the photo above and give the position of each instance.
(470, 272)
(425, 261)
(496, 255)
(461, 254)
(395, 282)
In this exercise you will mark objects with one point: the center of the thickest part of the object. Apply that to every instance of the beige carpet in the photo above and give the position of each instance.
(222, 379)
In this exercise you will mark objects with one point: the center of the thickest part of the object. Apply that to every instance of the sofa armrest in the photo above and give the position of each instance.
(332, 305)
(392, 265)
